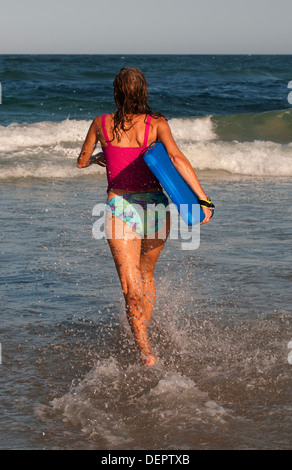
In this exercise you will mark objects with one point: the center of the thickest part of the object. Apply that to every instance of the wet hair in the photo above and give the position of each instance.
(131, 98)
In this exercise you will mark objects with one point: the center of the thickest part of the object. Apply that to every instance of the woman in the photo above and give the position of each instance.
(124, 135)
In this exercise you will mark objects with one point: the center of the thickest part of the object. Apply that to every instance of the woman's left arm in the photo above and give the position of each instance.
(89, 145)
(182, 164)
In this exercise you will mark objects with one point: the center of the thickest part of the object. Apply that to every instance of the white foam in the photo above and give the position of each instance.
(27, 136)
(47, 170)
(246, 158)
(174, 383)
(16, 137)
(50, 150)
(168, 396)
(194, 130)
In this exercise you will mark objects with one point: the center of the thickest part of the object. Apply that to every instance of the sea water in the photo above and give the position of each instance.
(70, 374)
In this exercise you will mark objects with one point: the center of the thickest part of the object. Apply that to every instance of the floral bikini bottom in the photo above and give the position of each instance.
(145, 212)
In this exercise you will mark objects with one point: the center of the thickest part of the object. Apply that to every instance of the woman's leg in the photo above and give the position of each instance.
(135, 259)
(150, 252)
(126, 251)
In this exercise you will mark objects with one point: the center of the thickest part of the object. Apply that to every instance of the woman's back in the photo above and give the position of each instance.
(123, 152)
(134, 135)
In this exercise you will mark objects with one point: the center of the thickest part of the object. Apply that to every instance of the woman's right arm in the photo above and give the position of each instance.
(93, 136)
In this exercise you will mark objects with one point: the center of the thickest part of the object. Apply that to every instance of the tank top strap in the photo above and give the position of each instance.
(104, 129)
(147, 128)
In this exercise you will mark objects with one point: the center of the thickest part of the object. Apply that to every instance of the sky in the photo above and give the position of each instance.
(145, 27)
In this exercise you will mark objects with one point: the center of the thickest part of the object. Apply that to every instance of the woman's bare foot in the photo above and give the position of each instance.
(150, 360)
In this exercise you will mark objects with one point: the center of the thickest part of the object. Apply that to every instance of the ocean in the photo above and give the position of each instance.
(70, 375)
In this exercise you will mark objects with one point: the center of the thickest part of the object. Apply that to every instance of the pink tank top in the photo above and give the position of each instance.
(125, 166)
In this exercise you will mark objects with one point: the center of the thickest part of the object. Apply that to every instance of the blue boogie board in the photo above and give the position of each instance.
(157, 159)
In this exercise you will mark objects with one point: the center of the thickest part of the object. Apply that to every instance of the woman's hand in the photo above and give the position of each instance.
(97, 159)
(208, 215)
